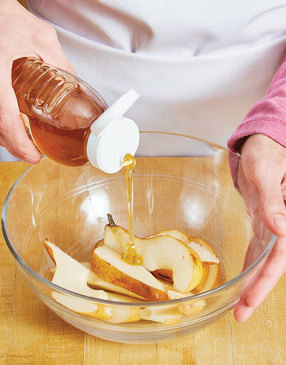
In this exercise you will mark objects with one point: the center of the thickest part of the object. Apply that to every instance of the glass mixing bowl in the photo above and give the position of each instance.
(181, 183)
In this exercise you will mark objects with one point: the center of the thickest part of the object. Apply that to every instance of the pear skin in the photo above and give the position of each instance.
(161, 252)
(108, 265)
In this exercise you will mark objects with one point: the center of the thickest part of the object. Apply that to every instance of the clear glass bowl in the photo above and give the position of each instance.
(180, 183)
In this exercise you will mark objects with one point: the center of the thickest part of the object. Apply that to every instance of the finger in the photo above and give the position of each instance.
(273, 269)
(242, 312)
(251, 253)
(14, 136)
(272, 209)
(267, 179)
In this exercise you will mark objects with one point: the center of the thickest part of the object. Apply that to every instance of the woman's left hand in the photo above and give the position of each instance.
(262, 171)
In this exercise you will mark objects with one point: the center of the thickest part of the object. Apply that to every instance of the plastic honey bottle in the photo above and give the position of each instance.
(69, 121)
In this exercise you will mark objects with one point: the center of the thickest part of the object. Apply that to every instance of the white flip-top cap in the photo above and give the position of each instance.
(113, 136)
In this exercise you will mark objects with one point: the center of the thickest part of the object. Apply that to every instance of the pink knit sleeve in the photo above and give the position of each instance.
(267, 116)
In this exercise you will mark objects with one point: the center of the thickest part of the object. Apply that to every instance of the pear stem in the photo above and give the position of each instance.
(110, 220)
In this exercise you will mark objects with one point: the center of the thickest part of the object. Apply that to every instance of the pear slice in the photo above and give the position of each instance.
(163, 314)
(173, 294)
(173, 313)
(108, 265)
(161, 252)
(96, 282)
(72, 275)
(192, 308)
(113, 314)
(206, 254)
(211, 278)
(204, 251)
(164, 274)
(99, 243)
(120, 314)
(184, 237)
(188, 308)
(53, 269)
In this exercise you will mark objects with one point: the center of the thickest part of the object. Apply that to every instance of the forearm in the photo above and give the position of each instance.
(267, 116)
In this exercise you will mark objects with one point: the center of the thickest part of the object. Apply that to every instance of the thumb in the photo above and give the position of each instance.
(13, 134)
(271, 203)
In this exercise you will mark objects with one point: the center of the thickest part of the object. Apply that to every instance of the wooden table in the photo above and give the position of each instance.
(31, 334)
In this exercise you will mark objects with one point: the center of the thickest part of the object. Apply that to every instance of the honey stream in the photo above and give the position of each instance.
(130, 255)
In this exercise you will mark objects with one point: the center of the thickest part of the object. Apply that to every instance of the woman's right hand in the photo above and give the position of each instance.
(22, 35)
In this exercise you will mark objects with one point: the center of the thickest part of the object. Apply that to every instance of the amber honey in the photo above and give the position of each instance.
(60, 109)
(130, 255)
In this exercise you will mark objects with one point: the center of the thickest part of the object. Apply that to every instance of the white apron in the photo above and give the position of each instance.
(198, 65)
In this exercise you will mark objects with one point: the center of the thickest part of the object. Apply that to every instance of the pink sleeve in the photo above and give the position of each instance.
(267, 116)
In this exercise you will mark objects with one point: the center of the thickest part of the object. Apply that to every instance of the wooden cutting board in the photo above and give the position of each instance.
(31, 334)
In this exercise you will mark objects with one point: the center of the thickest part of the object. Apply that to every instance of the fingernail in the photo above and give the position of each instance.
(247, 314)
(280, 222)
(261, 299)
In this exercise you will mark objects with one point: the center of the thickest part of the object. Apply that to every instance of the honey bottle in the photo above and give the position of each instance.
(69, 121)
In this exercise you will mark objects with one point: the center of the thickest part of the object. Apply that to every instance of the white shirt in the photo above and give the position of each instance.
(198, 65)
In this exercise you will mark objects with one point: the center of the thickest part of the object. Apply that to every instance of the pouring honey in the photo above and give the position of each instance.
(130, 255)
(69, 121)
(71, 124)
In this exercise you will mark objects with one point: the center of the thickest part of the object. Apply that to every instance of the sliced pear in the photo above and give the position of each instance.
(164, 274)
(99, 243)
(207, 256)
(161, 252)
(187, 308)
(204, 251)
(72, 275)
(211, 278)
(108, 265)
(166, 286)
(173, 294)
(95, 282)
(192, 308)
(162, 314)
(52, 270)
(122, 314)
(113, 314)
(198, 288)
(184, 237)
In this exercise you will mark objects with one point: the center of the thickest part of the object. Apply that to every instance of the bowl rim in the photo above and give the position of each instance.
(58, 288)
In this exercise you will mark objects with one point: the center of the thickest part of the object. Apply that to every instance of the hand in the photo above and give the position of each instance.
(22, 35)
(263, 168)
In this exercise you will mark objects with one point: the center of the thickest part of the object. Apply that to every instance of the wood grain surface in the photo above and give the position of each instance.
(31, 334)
